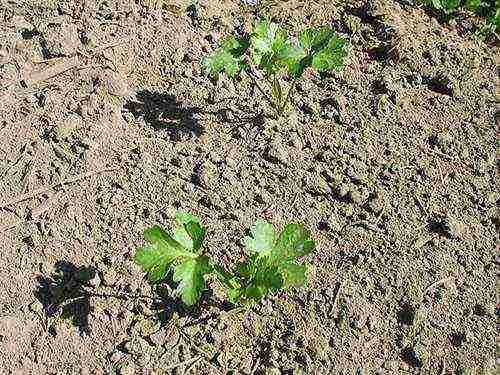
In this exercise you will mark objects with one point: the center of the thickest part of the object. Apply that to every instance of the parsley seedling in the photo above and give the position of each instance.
(179, 252)
(270, 49)
(490, 10)
(272, 264)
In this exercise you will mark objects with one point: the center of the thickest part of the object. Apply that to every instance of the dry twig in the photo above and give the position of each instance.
(45, 189)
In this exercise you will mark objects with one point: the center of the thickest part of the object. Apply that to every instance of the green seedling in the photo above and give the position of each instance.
(272, 264)
(490, 10)
(271, 50)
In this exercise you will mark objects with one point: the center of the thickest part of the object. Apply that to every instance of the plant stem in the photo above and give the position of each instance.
(288, 95)
(259, 87)
(222, 275)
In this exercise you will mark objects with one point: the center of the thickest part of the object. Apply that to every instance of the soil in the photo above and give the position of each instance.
(108, 126)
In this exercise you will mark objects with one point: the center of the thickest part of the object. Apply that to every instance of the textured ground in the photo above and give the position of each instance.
(107, 126)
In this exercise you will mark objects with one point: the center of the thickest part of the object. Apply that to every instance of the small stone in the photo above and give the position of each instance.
(88, 38)
(360, 323)
(357, 197)
(128, 370)
(117, 356)
(377, 204)
(72, 122)
(277, 152)
(137, 346)
(95, 282)
(110, 277)
(117, 86)
(144, 327)
(316, 184)
(158, 337)
(353, 23)
(391, 365)
(188, 72)
(36, 307)
(21, 24)
(343, 190)
(457, 229)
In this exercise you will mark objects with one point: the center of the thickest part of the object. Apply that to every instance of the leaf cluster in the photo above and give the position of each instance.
(489, 9)
(271, 49)
(272, 264)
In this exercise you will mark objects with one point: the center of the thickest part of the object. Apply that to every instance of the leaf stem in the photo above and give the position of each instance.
(222, 275)
(262, 91)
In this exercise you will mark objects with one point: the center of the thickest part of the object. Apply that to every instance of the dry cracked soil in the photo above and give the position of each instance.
(108, 125)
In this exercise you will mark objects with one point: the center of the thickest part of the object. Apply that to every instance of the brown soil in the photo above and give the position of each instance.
(107, 126)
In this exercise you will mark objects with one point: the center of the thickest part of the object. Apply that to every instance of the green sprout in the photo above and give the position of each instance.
(270, 49)
(272, 264)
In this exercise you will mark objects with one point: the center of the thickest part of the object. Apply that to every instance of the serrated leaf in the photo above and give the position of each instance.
(181, 235)
(263, 237)
(313, 40)
(294, 241)
(268, 41)
(159, 251)
(332, 56)
(190, 236)
(191, 233)
(292, 57)
(228, 57)
(293, 274)
(184, 217)
(322, 49)
(190, 276)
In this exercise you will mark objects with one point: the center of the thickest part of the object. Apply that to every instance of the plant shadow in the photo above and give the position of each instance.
(63, 295)
(163, 112)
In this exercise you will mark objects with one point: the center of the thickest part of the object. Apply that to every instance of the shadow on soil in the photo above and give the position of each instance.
(62, 294)
(164, 112)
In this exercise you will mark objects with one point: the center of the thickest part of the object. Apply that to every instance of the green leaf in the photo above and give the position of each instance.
(229, 57)
(263, 237)
(473, 5)
(451, 5)
(313, 40)
(190, 276)
(293, 274)
(292, 57)
(294, 241)
(332, 56)
(162, 252)
(184, 217)
(320, 48)
(268, 41)
(273, 265)
(159, 251)
(436, 4)
(191, 233)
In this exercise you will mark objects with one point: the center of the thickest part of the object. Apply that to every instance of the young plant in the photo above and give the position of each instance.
(270, 49)
(490, 10)
(272, 264)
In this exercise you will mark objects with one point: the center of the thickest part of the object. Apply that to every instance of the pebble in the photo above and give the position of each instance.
(117, 86)
(95, 281)
(110, 277)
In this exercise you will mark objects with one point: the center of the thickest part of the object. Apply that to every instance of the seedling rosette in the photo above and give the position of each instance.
(272, 264)
(270, 49)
